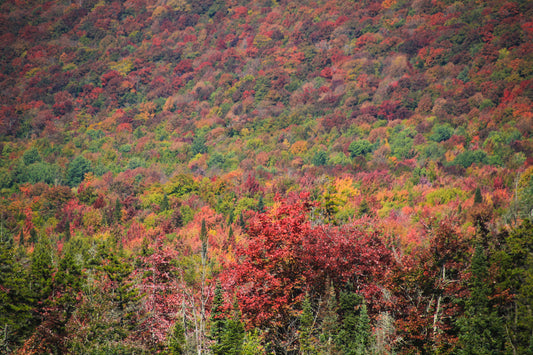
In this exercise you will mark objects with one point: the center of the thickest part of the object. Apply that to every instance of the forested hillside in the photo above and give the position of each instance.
(251, 177)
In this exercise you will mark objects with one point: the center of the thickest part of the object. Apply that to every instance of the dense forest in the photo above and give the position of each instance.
(266, 177)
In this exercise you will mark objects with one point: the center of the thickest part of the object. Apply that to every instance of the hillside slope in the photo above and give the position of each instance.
(161, 131)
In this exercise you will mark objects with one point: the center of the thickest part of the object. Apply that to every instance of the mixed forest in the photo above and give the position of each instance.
(266, 177)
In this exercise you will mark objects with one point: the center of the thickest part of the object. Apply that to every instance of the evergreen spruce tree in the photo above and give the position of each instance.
(330, 325)
(52, 334)
(164, 203)
(15, 299)
(515, 262)
(33, 236)
(242, 223)
(203, 238)
(67, 231)
(478, 198)
(481, 329)
(59, 294)
(331, 204)
(68, 280)
(124, 295)
(233, 335)
(261, 205)
(218, 319)
(227, 332)
(355, 335)
(177, 341)
(364, 209)
(198, 144)
(41, 271)
(117, 211)
(231, 236)
(177, 218)
(307, 346)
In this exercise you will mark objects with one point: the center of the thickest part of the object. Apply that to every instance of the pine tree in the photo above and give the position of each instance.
(67, 283)
(231, 236)
(52, 334)
(227, 332)
(15, 299)
(164, 203)
(329, 325)
(218, 319)
(111, 299)
(242, 223)
(515, 261)
(364, 209)
(41, 271)
(177, 341)
(198, 144)
(203, 238)
(261, 205)
(481, 330)
(33, 236)
(67, 231)
(331, 204)
(306, 328)
(354, 337)
(233, 336)
(478, 198)
(117, 211)
(124, 295)
(177, 218)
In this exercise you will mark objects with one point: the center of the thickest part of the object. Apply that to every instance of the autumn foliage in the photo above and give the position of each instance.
(355, 176)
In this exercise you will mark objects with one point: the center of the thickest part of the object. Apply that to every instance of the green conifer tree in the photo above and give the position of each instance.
(177, 340)
(164, 203)
(515, 262)
(33, 236)
(226, 331)
(261, 205)
(198, 144)
(41, 271)
(218, 319)
(481, 329)
(15, 299)
(331, 204)
(203, 239)
(67, 231)
(307, 343)
(242, 223)
(117, 211)
(330, 325)
(231, 216)
(355, 335)
(364, 209)
(52, 334)
(124, 296)
(234, 334)
(478, 198)
(231, 236)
